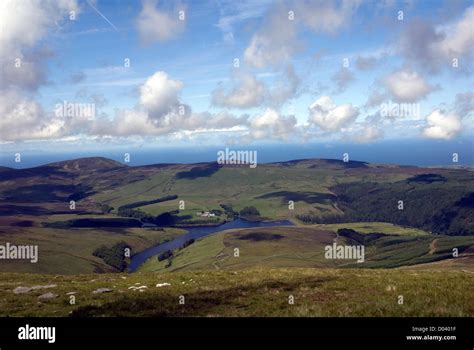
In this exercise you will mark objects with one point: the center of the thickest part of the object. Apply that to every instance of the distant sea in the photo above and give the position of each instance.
(402, 152)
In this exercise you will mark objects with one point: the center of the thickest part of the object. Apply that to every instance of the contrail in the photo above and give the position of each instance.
(101, 15)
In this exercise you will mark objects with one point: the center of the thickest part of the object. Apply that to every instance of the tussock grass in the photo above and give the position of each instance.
(250, 292)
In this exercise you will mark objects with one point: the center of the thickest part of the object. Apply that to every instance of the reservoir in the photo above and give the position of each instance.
(195, 233)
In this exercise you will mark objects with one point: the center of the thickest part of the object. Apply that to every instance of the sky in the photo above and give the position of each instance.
(106, 74)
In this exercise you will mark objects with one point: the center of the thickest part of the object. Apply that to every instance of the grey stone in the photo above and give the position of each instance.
(47, 296)
(44, 287)
(102, 290)
(20, 290)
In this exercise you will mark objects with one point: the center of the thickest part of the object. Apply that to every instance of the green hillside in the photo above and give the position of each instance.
(305, 247)
(250, 292)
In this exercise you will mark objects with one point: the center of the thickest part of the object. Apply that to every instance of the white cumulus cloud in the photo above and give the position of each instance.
(23, 24)
(160, 112)
(368, 134)
(407, 86)
(159, 24)
(277, 40)
(329, 116)
(160, 94)
(271, 125)
(434, 46)
(248, 92)
(441, 125)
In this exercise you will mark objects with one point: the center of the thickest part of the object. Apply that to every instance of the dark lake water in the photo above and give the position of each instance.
(195, 233)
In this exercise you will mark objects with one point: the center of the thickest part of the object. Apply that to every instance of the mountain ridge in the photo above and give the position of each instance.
(111, 163)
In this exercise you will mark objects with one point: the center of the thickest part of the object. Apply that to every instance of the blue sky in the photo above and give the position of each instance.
(309, 71)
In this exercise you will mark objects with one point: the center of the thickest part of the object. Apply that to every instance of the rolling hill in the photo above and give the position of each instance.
(407, 252)
(35, 203)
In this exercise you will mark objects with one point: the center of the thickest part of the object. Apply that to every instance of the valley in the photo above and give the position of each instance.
(82, 214)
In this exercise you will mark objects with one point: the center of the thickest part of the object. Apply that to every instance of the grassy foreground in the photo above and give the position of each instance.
(250, 292)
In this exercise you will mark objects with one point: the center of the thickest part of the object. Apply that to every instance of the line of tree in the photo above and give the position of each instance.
(249, 212)
(187, 243)
(167, 254)
(229, 211)
(438, 207)
(143, 203)
(113, 256)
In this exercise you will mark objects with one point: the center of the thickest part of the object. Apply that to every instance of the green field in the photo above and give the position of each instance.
(239, 186)
(367, 193)
(369, 227)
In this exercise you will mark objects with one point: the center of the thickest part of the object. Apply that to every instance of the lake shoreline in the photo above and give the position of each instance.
(196, 233)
